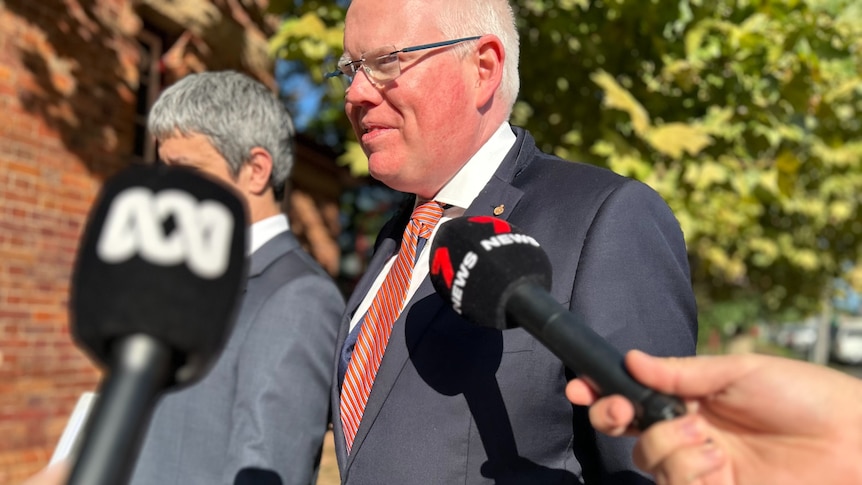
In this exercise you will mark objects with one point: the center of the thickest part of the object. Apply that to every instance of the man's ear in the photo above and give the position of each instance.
(490, 55)
(259, 170)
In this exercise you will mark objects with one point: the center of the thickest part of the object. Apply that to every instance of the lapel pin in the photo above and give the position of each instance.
(499, 209)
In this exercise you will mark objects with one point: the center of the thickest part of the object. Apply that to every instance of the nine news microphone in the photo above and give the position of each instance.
(153, 298)
(496, 276)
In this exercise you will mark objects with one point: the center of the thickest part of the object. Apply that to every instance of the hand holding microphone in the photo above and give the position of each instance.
(758, 419)
(154, 291)
(496, 276)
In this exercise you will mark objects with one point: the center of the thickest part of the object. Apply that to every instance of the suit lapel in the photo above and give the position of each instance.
(497, 195)
(500, 196)
(273, 249)
(394, 359)
(385, 249)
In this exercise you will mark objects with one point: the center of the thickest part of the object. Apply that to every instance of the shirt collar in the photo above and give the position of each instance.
(466, 185)
(262, 231)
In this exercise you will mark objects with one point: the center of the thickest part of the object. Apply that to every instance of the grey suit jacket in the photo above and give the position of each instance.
(456, 403)
(263, 407)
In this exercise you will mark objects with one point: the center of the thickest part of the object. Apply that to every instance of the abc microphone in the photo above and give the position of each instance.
(153, 296)
(496, 276)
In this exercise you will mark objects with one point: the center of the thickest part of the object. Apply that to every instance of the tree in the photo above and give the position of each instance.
(309, 44)
(744, 115)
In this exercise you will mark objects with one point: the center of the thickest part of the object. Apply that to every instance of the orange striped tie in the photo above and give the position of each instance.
(377, 326)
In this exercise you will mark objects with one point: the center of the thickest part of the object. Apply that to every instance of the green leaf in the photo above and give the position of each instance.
(354, 158)
(675, 139)
(617, 97)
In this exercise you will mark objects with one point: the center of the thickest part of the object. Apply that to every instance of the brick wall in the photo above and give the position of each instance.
(68, 78)
(65, 98)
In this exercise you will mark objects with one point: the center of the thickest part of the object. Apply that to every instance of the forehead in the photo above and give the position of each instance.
(370, 24)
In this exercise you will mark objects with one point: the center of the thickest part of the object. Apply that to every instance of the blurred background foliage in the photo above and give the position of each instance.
(744, 115)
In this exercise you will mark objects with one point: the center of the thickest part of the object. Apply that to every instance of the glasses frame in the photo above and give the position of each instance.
(351, 68)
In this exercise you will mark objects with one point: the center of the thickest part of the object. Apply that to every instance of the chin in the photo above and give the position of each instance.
(384, 168)
(388, 180)
(394, 182)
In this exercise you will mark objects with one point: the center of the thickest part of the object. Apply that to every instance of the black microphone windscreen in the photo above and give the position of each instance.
(477, 261)
(162, 254)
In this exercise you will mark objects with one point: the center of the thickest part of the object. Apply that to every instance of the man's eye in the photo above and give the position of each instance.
(387, 59)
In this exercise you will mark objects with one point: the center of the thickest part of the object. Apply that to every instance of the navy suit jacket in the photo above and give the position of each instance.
(456, 403)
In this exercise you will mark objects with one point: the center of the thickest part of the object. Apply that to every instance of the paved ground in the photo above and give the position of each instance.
(328, 467)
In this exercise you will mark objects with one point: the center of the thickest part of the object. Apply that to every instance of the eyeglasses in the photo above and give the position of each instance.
(382, 65)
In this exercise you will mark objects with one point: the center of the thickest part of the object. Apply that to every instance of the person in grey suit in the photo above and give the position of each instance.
(260, 414)
(431, 85)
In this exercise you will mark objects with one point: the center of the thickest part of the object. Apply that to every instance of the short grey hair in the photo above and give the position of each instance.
(235, 112)
(465, 18)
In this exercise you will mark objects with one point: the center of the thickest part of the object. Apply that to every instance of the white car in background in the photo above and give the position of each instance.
(798, 337)
(847, 344)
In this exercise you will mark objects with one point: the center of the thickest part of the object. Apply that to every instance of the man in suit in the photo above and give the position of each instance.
(431, 84)
(260, 414)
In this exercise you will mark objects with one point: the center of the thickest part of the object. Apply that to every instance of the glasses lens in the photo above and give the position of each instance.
(349, 70)
(382, 65)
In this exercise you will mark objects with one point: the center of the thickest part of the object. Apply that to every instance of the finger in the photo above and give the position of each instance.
(687, 376)
(612, 415)
(664, 438)
(579, 392)
(702, 464)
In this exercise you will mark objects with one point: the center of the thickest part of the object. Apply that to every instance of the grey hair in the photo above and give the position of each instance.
(464, 18)
(235, 113)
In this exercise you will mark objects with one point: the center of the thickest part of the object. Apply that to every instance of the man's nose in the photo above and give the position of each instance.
(362, 89)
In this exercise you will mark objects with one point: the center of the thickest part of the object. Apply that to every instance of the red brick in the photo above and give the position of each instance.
(21, 168)
(55, 149)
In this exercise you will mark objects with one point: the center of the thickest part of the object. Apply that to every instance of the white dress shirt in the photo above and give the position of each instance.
(262, 231)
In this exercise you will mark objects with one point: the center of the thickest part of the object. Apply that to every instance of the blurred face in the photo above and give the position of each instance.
(196, 152)
(421, 128)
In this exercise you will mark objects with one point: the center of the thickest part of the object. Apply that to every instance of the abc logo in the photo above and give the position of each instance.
(135, 222)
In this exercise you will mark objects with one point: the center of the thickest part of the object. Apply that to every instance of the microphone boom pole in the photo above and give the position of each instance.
(141, 368)
(154, 293)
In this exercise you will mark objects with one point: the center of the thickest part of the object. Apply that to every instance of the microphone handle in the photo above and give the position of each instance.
(141, 368)
(587, 353)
